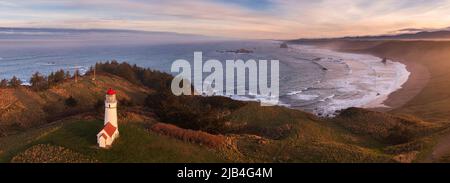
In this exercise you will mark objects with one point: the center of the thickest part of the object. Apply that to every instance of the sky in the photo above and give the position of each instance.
(255, 19)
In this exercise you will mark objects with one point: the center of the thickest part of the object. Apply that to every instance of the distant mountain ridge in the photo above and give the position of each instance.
(24, 30)
(432, 34)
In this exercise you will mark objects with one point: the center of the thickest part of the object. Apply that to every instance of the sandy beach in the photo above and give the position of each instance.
(417, 80)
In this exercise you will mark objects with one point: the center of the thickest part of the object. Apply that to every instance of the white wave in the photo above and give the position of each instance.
(367, 82)
(329, 97)
(46, 63)
(25, 83)
(264, 100)
(294, 92)
(305, 97)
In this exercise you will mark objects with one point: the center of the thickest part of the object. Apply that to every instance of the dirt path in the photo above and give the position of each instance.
(441, 149)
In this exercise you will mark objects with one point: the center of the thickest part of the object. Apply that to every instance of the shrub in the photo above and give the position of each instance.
(99, 106)
(126, 103)
(193, 112)
(399, 134)
(189, 135)
(71, 102)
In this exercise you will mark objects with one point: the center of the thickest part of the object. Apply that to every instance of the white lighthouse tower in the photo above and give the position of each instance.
(110, 131)
(111, 108)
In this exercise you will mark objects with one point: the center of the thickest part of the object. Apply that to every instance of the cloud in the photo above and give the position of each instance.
(7, 4)
(278, 19)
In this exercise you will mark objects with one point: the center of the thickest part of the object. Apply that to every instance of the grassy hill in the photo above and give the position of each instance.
(22, 108)
(308, 139)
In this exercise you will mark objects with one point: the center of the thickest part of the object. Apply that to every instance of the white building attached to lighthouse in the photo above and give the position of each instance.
(110, 130)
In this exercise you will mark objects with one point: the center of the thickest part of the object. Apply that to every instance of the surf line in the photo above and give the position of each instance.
(236, 72)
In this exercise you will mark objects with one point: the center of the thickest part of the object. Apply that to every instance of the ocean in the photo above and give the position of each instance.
(312, 79)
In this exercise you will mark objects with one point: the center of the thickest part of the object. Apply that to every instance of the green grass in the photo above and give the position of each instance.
(306, 139)
(134, 145)
(13, 144)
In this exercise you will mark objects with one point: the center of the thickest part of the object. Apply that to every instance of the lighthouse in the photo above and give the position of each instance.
(110, 130)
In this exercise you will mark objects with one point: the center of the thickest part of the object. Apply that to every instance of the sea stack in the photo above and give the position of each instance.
(283, 45)
(110, 130)
(384, 61)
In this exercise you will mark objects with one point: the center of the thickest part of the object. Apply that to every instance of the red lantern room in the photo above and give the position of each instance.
(110, 92)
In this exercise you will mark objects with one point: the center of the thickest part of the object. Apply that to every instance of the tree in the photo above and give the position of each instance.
(94, 74)
(59, 76)
(15, 82)
(68, 76)
(38, 82)
(3, 83)
(76, 75)
(56, 77)
(51, 79)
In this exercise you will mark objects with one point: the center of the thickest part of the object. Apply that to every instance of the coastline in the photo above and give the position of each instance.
(388, 87)
(423, 95)
(418, 79)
